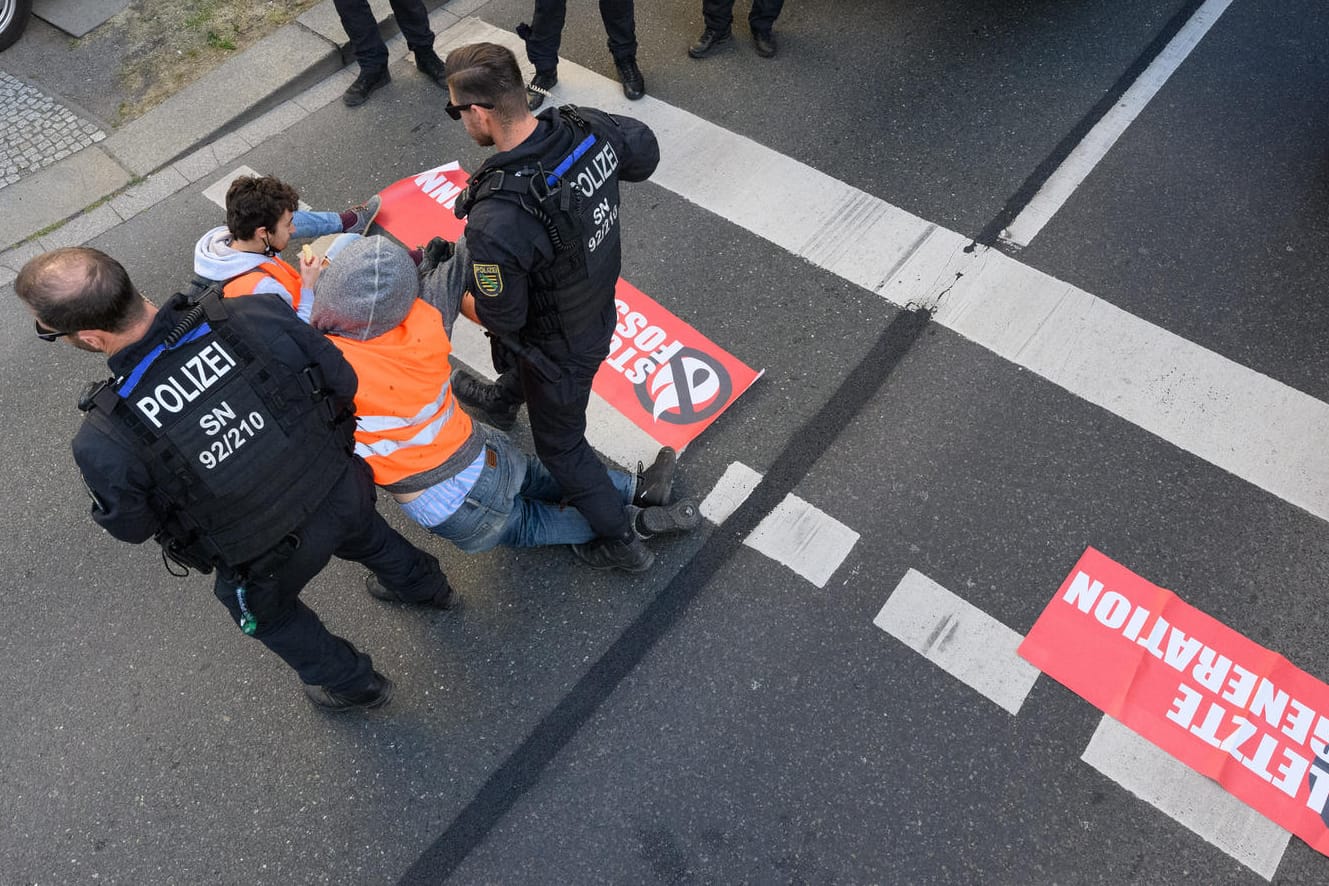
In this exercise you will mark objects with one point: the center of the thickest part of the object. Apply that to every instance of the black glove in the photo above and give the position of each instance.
(435, 253)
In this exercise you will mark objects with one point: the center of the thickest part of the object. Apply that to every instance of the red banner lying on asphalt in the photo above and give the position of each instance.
(667, 377)
(1222, 704)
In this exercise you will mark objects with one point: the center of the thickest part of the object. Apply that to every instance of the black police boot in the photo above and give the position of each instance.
(709, 41)
(539, 87)
(630, 555)
(375, 695)
(485, 400)
(634, 84)
(429, 64)
(369, 80)
(765, 43)
(442, 598)
(681, 516)
(656, 482)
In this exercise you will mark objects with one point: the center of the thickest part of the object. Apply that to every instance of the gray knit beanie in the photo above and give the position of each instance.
(368, 287)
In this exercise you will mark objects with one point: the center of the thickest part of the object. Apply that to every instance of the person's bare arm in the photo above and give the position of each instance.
(468, 308)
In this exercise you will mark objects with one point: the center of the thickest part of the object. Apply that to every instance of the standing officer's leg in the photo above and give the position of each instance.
(621, 28)
(558, 427)
(263, 599)
(718, 15)
(402, 572)
(542, 41)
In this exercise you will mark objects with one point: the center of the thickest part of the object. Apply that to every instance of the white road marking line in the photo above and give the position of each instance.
(1191, 397)
(804, 538)
(732, 489)
(1199, 803)
(1076, 167)
(216, 192)
(958, 637)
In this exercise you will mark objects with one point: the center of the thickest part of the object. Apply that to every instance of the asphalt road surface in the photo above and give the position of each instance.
(736, 715)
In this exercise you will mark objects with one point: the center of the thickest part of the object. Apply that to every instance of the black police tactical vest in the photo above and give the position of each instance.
(575, 197)
(241, 449)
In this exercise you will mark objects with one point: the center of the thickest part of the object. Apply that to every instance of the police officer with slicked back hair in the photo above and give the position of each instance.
(225, 433)
(543, 231)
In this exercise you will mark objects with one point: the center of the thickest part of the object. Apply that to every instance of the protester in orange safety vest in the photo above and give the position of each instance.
(262, 215)
(460, 479)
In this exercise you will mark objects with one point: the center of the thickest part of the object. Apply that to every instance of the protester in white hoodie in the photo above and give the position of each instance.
(262, 215)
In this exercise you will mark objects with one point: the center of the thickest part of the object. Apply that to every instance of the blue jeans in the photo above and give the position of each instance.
(309, 225)
(517, 503)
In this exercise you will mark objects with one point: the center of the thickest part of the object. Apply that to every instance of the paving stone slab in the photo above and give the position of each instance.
(77, 17)
(55, 193)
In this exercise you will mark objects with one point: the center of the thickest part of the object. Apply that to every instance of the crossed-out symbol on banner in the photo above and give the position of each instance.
(690, 388)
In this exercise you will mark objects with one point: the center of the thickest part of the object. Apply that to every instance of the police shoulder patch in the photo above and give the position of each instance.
(488, 279)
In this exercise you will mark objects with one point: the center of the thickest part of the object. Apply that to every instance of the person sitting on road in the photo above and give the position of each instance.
(262, 215)
(461, 480)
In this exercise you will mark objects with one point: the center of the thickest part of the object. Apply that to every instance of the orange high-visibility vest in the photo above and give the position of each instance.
(407, 419)
(278, 270)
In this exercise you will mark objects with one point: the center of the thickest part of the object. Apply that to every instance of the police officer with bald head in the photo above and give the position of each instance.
(225, 433)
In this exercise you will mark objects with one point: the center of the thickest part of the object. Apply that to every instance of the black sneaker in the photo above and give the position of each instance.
(539, 87)
(365, 214)
(429, 64)
(369, 80)
(443, 598)
(375, 695)
(709, 41)
(681, 516)
(765, 43)
(656, 482)
(634, 84)
(609, 553)
(485, 400)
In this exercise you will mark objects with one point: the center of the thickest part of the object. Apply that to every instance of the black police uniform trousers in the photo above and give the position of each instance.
(345, 525)
(361, 25)
(547, 31)
(557, 412)
(719, 14)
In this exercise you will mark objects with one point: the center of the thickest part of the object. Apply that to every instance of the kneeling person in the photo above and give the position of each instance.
(464, 481)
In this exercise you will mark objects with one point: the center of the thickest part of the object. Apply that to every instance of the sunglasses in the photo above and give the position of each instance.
(46, 334)
(454, 111)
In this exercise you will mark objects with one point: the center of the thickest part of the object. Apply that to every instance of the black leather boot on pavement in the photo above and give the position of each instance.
(375, 695)
(606, 553)
(539, 87)
(429, 64)
(443, 598)
(709, 41)
(485, 400)
(634, 84)
(656, 482)
(369, 80)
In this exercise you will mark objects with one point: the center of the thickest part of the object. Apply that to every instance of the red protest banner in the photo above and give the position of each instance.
(671, 380)
(1222, 704)
(667, 377)
(417, 209)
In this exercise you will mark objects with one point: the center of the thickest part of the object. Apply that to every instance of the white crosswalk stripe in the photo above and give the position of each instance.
(959, 638)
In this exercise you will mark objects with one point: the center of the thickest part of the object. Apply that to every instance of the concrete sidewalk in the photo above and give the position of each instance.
(208, 123)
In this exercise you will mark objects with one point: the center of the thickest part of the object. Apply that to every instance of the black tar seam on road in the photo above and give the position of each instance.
(991, 233)
(523, 768)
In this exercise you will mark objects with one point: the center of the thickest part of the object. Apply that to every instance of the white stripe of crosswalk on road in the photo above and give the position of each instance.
(958, 637)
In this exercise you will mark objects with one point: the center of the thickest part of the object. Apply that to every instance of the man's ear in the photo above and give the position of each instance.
(92, 338)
